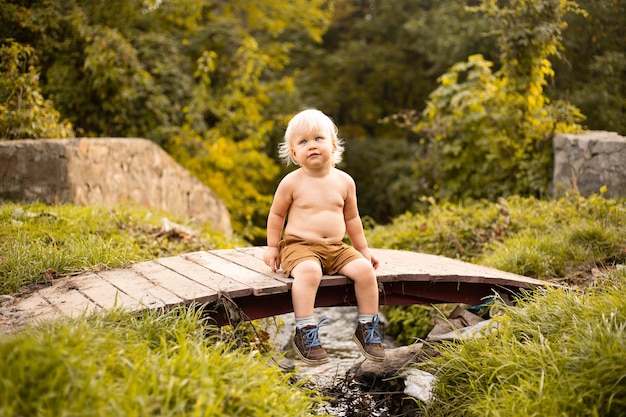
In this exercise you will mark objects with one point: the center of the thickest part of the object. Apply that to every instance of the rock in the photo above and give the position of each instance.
(419, 384)
(395, 359)
(105, 171)
(460, 324)
(588, 162)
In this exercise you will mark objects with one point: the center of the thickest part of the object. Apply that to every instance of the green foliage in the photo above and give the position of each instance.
(579, 236)
(388, 183)
(409, 323)
(537, 238)
(591, 71)
(380, 56)
(24, 112)
(491, 133)
(190, 75)
(455, 231)
(557, 353)
(571, 240)
(157, 364)
(39, 242)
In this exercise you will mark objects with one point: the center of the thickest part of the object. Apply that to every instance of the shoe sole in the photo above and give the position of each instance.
(307, 360)
(362, 349)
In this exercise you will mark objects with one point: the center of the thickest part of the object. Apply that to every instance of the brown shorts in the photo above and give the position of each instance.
(331, 256)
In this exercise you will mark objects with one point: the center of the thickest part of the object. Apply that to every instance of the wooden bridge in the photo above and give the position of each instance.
(241, 286)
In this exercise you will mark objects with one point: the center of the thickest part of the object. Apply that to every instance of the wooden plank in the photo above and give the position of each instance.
(219, 283)
(177, 284)
(140, 288)
(37, 307)
(102, 293)
(408, 277)
(385, 272)
(261, 284)
(415, 266)
(69, 301)
(254, 251)
(327, 280)
(248, 260)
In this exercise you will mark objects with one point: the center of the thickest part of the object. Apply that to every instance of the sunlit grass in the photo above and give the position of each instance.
(537, 238)
(560, 353)
(39, 242)
(157, 364)
(559, 252)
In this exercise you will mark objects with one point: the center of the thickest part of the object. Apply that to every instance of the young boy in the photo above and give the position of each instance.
(319, 201)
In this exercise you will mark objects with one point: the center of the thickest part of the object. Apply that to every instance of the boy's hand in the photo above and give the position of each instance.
(271, 257)
(370, 257)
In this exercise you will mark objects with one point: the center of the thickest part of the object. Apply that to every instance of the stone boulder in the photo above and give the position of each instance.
(105, 171)
(589, 161)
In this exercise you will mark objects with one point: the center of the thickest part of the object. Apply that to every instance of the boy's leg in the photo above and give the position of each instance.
(365, 285)
(307, 276)
(367, 336)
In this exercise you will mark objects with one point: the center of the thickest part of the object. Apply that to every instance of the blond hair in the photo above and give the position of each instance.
(309, 120)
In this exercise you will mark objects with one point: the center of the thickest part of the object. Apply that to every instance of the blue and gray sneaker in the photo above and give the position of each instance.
(306, 343)
(369, 340)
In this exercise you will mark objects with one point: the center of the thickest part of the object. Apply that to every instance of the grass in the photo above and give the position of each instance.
(545, 239)
(557, 353)
(560, 353)
(40, 242)
(172, 364)
(117, 364)
(568, 240)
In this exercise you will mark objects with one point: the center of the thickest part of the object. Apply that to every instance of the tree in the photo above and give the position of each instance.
(207, 80)
(380, 56)
(591, 71)
(491, 132)
(24, 112)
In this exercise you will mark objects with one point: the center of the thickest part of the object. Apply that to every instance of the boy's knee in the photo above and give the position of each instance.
(308, 268)
(359, 269)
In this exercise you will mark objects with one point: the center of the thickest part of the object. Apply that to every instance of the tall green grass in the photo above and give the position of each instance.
(538, 238)
(567, 239)
(157, 364)
(39, 242)
(559, 353)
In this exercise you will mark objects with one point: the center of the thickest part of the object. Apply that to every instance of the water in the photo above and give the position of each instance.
(347, 396)
(336, 338)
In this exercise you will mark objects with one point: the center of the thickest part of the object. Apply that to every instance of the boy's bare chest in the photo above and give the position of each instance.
(319, 195)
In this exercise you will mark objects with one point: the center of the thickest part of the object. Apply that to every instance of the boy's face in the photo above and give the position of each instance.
(313, 148)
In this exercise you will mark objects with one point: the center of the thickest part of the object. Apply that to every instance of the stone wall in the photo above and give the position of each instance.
(105, 171)
(589, 161)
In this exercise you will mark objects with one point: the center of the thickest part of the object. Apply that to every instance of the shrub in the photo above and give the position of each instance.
(153, 365)
(556, 353)
(40, 242)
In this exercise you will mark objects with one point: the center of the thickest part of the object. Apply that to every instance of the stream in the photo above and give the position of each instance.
(350, 397)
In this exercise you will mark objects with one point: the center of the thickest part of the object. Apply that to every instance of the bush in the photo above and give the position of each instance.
(569, 239)
(557, 353)
(154, 365)
(40, 242)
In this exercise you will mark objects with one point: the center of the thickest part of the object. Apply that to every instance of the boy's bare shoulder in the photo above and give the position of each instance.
(343, 175)
(292, 176)
(286, 187)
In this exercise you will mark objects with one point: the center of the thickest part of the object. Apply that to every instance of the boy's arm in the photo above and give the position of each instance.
(354, 227)
(275, 224)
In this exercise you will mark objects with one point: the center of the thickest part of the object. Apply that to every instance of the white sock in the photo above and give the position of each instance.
(305, 321)
(366, 318)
